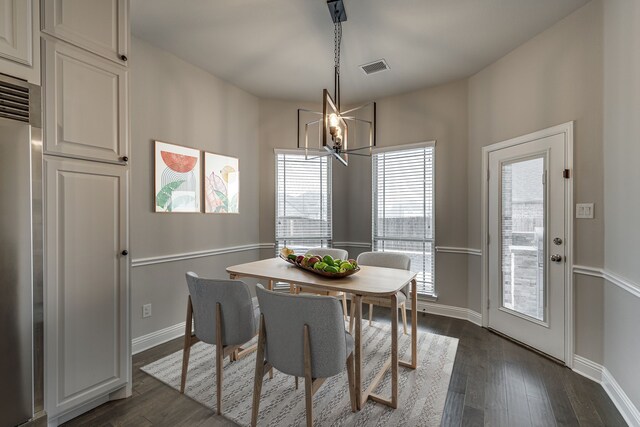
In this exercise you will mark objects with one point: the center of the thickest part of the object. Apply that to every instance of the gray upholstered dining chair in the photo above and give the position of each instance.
(388, 260)
(226, 315)
(335, 254)
(304, 336)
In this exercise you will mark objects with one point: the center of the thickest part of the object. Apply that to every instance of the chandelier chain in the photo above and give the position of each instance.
(337, 37)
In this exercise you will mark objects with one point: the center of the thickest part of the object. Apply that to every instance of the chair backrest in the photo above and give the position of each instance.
(238, 319)
(335, 253)
(285, 316)
(388, 260)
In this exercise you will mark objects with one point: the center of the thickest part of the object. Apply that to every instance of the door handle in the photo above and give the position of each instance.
(556, 258)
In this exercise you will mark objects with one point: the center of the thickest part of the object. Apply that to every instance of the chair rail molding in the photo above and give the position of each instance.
(456, 250)
(139, 262)
(609, 276)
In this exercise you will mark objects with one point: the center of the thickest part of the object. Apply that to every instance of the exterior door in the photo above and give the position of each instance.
(527, 242)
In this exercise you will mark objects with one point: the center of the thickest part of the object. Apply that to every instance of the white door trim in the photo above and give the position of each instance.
(565, 129)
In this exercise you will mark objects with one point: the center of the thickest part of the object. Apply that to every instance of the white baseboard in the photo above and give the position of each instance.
(450, 311)
(587, 368)
(601, 375)
(153, 339)
(63, 418)
(620, 399)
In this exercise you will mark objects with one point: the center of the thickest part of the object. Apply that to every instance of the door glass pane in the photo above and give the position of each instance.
(523, 237)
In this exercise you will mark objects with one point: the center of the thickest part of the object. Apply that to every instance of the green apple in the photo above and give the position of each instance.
(331, 269)
(320, 265)
(328, 259)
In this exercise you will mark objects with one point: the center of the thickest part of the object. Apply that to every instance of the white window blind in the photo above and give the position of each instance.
(403, 212)
(303, 202)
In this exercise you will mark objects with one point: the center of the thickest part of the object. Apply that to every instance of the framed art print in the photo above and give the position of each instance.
(221, 184)
(177, 178)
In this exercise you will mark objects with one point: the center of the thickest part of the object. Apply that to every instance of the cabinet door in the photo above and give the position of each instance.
(87, 294)
(100, 26)
(85, 104)
(20, 39)
(15, 31)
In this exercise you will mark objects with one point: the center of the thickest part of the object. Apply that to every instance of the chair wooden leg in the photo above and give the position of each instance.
(370, 313)
(257, 385)
(271, 373)
(351, 380)
(344, 305)
(308, 379)
(403, 309)
(186, 350)
(219, 358)
(296, 382)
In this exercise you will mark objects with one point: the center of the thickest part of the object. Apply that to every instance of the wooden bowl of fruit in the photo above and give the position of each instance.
(324, 266)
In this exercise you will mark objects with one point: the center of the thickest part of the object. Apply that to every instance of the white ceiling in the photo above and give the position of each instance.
(284, 48)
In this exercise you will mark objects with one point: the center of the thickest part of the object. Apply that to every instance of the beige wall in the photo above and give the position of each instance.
(176, 102)
(622, 194)
(437, 113)
(554, 78)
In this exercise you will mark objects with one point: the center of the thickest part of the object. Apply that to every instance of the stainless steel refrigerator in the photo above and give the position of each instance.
(21, 386)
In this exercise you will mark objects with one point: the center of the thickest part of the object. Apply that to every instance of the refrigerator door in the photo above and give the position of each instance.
(16, 329)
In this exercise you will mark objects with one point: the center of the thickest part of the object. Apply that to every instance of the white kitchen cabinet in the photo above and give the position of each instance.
(100, 26)
(20, 39)
(87, 283)
(86, 106)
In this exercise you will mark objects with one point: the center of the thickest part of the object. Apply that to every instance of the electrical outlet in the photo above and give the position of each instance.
(146, 310)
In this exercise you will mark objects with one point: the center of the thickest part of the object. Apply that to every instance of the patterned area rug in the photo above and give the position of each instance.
(422, 392)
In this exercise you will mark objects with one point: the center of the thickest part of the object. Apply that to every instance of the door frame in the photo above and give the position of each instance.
(567, 130)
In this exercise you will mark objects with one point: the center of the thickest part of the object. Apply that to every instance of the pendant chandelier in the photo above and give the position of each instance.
(333, 124)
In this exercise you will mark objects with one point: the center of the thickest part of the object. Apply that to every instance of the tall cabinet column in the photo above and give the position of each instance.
(86, 194)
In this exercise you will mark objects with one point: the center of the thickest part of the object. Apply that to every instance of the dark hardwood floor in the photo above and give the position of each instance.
(495, 382)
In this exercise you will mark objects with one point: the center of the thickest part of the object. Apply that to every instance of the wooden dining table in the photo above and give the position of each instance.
(378, 282)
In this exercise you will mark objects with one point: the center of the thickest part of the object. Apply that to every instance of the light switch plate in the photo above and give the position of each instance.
(584, 210)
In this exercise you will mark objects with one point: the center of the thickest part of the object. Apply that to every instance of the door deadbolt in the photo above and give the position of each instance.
(557, 241)
(556, 258)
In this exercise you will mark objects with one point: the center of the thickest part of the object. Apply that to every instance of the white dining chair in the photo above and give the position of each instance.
(303, 336)
(388, 260)
(335, 254)
(225, 315)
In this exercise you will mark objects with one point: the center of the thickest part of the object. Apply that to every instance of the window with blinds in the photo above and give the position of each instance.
(403, 209)
(303, 202)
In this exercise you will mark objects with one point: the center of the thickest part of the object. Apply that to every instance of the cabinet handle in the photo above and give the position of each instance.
(125, 252)
(124, 158)
(123, 57)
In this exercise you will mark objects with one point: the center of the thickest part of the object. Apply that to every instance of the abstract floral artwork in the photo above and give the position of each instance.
(178, 180)
(221, 183)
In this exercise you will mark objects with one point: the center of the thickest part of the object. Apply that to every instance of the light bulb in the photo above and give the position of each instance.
(333, 120)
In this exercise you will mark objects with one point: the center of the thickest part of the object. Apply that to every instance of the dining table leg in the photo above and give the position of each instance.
(394, 351)
(357, 301)
(414, 324)
(413, 363)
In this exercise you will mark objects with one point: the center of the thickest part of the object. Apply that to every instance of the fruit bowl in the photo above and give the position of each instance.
(321, 272)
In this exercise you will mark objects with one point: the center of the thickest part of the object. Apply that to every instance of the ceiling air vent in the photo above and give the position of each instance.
(375, 67)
